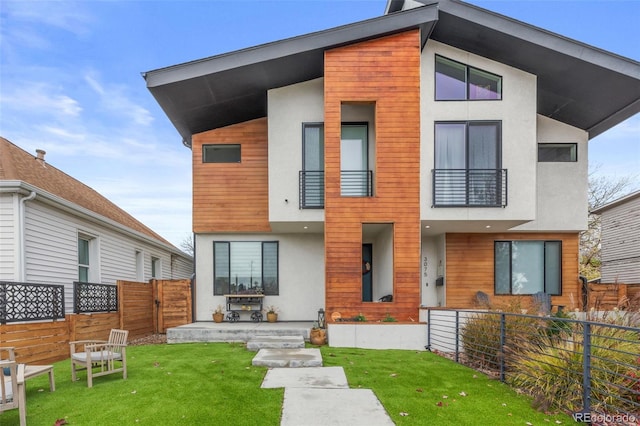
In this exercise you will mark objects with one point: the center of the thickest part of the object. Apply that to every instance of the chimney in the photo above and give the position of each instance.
(40, 155)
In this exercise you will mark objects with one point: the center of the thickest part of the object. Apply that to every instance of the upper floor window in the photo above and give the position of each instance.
(355, 176)
(528, 267)
(245, 267)
(221, 153)
(456, 81)
(468, 165)
(312, 174)
(557, 152)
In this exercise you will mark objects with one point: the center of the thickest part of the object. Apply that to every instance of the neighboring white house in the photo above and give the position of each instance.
(420, 156)
(57, 230)
(620, 240)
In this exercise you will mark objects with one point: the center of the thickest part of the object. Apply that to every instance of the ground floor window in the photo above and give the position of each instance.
(245, 267)
(528, 267)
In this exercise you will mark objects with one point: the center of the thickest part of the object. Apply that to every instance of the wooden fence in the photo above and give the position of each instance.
(138, 312)
(604, 297)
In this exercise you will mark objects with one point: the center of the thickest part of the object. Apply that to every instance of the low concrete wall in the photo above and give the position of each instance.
(378, 335)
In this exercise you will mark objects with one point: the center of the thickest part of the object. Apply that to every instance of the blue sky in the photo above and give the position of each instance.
(70, 81)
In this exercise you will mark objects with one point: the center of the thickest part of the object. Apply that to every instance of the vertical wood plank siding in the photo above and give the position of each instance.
(384, 72)
(232, 197)
(470, 268)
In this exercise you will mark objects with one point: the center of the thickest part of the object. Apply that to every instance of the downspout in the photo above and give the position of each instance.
(22, 252)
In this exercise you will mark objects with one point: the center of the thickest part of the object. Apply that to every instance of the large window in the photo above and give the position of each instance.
(245, 267)
(458, 82)
(229, 153)
(528, 267)
(467, 164)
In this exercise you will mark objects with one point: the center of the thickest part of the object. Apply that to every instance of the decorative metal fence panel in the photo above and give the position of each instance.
(30, 302)
(90, 297)
(590, 368)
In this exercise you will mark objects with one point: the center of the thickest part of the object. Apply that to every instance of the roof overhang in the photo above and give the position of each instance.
(232, 88)
(580, 85)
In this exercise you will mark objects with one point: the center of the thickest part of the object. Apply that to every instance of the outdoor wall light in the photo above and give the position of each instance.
(321, 320)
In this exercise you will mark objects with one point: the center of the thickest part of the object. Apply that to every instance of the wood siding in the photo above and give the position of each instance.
(470, 268)
(621, 243)
(232, 197)
(384, 72)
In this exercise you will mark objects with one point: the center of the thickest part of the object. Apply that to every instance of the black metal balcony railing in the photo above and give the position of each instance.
(30, 302)
(311, 189)
(353, 183)
(469, 188)
(356, 183)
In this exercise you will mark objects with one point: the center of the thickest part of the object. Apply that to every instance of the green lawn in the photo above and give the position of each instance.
(215, 383)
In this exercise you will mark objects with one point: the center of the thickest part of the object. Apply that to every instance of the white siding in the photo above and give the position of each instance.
(52, 251)
(8, 237)
(621, 243)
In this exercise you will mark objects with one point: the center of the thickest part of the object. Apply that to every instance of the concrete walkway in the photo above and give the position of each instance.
(320, 395)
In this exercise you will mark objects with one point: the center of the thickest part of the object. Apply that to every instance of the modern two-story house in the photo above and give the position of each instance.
(403, 161)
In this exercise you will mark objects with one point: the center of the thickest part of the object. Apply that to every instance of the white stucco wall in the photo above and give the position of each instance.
(288, 108)
(517, 111)
(433, 266)
(561, 199)
(300, 267)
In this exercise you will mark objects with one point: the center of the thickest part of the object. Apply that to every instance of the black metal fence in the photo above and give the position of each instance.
(90, 297)
(590, 368)
(30, 302)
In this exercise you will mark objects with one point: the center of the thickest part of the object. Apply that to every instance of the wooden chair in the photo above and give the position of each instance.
(12, 392)
(100, 358)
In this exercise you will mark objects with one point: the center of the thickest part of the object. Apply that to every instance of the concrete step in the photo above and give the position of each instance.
(292, 358)
(275, 342)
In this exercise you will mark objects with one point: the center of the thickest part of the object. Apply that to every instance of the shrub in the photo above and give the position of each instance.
(550, 369)
(481, 335)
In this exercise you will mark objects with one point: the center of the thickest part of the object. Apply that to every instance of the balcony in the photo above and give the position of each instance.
(311, 189)
(353, 183)
(469, 188)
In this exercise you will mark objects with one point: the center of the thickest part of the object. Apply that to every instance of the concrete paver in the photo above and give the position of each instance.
(311, 377)
(335, 407)
(293, 358)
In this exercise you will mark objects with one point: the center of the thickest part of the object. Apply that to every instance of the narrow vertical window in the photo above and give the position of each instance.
(155, 268)
(83, 259)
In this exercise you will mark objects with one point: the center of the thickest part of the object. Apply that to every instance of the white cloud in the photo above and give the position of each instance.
(114, 99)
(39, 97)
(67, 16)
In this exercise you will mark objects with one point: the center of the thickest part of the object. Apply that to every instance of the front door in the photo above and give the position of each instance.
(367, 273)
